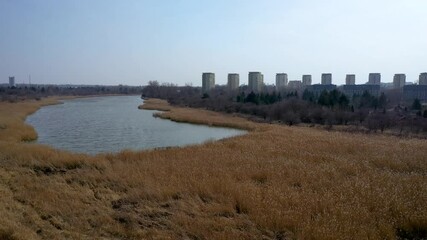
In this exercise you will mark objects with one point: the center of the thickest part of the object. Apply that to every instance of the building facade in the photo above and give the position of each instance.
(255, 82)
(352, 90)
(350, 79)
(306, 80)
(281, 81)
(399, 80)
(374, 79)
(317, 89)
(296, 84)
(208, 82)
(423, 78)
(326, 79)
(233, 81)
(411, 92)
(11, 81)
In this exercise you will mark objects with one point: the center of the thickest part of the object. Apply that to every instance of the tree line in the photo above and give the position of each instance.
(13, 94)
(363, 112)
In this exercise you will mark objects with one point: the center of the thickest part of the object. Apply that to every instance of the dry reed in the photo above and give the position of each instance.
(275, 182)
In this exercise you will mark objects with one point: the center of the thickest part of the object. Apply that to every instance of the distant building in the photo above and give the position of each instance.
(255, 82)
(233, 82)
(374, 79)
(319, 88)
(351, 90)
(350, 79)
(399, 80)
(208, 82)
(411, 92)
(296, 84)
(281, 80)
(423, 78)
(306, 80)
(11, 81)
(326, 79)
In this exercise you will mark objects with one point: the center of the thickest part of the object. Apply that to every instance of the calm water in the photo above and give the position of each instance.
(111, 124)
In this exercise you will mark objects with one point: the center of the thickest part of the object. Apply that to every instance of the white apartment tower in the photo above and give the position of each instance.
(326, 79)
(306, 80)
(233, 81)
(255, 82)
(350, 79)
(281, 80)
(399, 80)
(208, 82)
(11, 81)
(374, 78)
(423, 79)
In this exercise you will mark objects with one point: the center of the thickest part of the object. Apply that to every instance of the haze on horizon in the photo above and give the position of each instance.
(132, 42)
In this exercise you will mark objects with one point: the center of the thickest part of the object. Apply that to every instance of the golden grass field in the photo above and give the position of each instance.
(276, 182)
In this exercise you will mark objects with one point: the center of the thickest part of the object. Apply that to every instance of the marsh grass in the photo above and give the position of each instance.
(275, 182)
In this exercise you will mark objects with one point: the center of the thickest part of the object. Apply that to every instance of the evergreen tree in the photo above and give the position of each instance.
(416, 105)
(334, 96)
(382, 101)
(324, 99)
(307, 96)
(241, 97)
(343, 101)
(252, 98)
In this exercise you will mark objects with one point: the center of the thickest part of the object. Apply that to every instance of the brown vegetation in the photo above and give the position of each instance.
(155, 104)
(276, 182)
(200, 116)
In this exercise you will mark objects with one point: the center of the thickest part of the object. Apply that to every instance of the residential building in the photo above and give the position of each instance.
(11, 81)
(281, 81)
(374, 79)
(306, 80)
(399, 80)
(233, 81)
(255, 82)
(326, 79)
(350, 79)
(208, 82)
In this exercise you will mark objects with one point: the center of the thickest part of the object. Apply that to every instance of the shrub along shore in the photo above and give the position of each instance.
(276, 182)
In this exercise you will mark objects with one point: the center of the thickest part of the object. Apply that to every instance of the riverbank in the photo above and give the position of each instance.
(275, 182)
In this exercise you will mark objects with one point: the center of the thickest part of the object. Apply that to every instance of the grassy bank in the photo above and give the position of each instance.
(199, 116)
(275, 182)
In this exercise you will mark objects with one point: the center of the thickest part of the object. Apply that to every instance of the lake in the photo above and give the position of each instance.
(114, 123)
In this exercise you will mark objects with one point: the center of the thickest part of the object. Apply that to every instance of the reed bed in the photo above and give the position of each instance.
(276, 182)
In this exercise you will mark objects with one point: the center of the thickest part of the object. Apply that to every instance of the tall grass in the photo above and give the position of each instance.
(275, 182)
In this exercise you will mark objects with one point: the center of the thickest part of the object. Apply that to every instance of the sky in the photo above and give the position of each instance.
(132, 42)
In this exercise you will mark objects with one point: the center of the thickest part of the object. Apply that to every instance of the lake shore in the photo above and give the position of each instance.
(275, 182)
(198, 116)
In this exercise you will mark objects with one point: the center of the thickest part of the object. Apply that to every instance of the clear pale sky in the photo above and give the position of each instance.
(133, 42)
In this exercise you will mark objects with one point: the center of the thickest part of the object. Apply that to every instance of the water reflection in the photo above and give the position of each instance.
(111, 124)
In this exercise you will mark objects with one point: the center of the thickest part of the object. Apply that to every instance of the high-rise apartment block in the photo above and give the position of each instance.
(306, 80)
(423, 79)
(233, 81)
(374, 78)
(255, 81)
(281, 80)
(350, 79)
(208, 82)
(326, 79)
(399, 80)
(11, 81)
